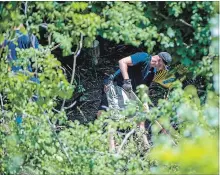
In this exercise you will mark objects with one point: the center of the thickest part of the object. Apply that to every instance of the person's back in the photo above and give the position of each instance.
(24, 41)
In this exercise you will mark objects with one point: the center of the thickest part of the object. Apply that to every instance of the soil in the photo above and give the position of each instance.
(90, 78)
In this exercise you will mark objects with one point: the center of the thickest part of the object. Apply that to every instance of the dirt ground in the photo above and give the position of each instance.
(90, 79)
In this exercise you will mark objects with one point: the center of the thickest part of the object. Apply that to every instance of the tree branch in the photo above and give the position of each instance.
(55, 47)
(73, 104)
(76, 54)
(25, 13)
(165, 132)
(61, 144)
(184, 22)
(180, 20)
(125, 140)
(44, 25)
(54, 131)
(49, 42)
(56, 110)
(25, 8)
(1, 101)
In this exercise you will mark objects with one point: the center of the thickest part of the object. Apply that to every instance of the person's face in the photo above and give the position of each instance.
(157, 62)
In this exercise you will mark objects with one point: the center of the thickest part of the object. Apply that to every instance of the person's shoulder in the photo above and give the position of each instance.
(146, 53)
(143, 53)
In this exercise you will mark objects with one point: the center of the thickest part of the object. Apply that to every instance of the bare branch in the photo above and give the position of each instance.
(55, 47)
(61, 144)
(163, 16)
(184, 22)
(73, 104)
(25, 8)
(55, 110)
(142, 129)
(25, 13)
(49, 41)
(165, 132)
(1, 101)
(78, 50)
(44, 25)
(180, 20)
(125, 140)
(75, 56)
(84, 118)
(64, 70)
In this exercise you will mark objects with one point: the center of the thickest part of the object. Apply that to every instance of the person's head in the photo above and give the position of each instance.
(161, 60)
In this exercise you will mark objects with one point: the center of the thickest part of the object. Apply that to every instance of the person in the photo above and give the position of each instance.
(23, 41)
(134, 70)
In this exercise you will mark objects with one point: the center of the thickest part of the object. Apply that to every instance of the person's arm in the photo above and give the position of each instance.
(132, 60)
(123, 65)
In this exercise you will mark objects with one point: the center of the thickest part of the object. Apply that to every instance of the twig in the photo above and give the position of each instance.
(82, 114)
(1, 101)
(184, 22)
(61, 144)
(36, 60)
(56, 110)
(165, 132)
(67, 71)
(55, 47)
(69, 67)
(69, 113)
(163, 16)
(75, 55)
(180, 20)
(53, 130)
(25, 8)
(64, 70)
(125, 140)
(44, 25)
(73, 104)
(49, 42)
(25, 13)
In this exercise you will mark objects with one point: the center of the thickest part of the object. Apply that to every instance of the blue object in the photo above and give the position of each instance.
(140, 72)
(140, 57)
(23, 42)
(18, 119)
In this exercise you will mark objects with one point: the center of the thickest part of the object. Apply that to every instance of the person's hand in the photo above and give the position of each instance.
(127, 85)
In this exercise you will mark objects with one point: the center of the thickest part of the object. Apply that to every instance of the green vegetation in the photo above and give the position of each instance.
(46, 142)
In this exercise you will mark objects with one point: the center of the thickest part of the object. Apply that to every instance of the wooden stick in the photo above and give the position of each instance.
(125, 140)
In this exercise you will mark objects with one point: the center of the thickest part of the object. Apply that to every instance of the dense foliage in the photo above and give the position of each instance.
(46, 142)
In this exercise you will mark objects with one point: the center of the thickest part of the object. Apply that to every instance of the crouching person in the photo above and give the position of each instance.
(133, 71)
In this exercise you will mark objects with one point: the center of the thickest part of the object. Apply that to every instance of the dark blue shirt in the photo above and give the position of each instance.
(140, 72)
(23, 42)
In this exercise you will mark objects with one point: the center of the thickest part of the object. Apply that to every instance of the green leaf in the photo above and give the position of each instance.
(170, 32)
(186, 61)
(1, 38)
